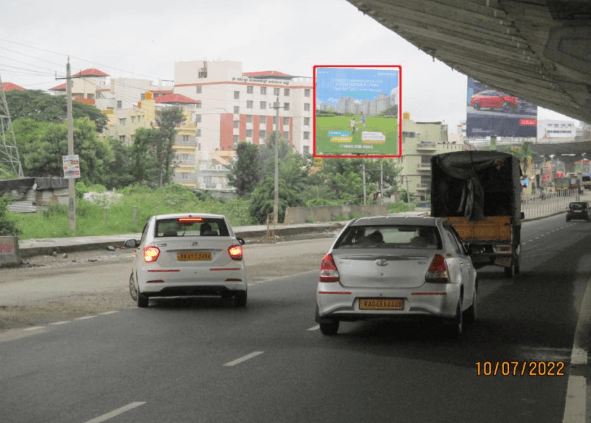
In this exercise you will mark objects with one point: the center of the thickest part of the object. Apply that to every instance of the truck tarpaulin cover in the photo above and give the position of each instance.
(24, 184)
(475, 184)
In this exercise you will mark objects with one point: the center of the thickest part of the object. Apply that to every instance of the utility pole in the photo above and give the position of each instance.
(364, 195)
(71, 181)
(382, 182)
(277, 139)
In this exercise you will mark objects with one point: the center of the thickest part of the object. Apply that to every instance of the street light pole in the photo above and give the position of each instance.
(277, 139)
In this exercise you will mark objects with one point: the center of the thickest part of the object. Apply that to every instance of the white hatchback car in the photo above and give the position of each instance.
(392, 267)
(189, 254)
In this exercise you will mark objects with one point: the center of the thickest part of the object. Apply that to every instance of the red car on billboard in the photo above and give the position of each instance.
(492, 99)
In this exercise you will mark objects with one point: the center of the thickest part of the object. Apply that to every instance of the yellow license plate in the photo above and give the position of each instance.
(381, 304)
(193, 256)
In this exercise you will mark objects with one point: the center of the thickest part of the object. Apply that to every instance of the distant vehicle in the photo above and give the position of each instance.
(586, 180)
(479, 193)
(578, 210)
(188, 254)
(393, 267)
(492, 99)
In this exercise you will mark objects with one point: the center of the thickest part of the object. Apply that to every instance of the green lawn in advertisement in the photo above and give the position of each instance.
(347, 135)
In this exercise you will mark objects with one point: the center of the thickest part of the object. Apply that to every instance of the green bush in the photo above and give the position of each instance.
(8, 226)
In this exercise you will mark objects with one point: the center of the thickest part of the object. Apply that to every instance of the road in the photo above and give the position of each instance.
(200, 360)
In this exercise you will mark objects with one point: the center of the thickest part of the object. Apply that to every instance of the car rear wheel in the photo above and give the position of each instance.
(239, 300)
(134, 289)
(457, 325)
(329, 327)
(470, 313)
(510, 270)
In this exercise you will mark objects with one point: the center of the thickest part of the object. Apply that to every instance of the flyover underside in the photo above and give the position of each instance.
(534, 49)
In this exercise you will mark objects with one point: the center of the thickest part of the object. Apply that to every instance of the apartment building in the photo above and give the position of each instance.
(239, 106)
(123, 124)
(213, 169)
(421, 141)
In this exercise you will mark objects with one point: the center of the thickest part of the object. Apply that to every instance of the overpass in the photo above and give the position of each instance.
(537, 50)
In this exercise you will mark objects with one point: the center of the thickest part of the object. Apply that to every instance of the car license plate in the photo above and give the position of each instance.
(503, 261)
(578, 211)
(193, 256)
(381, 304)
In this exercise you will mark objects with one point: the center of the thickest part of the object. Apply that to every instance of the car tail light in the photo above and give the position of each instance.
(151, 254)
(438, 271)
(236, 252)
(328, 270)
(190, 219)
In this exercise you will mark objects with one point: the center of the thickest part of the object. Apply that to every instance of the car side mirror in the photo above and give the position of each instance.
(131, 243)
(241, 241)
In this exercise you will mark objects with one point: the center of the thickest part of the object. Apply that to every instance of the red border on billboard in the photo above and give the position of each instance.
(360, 156)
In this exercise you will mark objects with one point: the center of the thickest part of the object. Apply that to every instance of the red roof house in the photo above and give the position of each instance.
(90, 73)
(9, 86)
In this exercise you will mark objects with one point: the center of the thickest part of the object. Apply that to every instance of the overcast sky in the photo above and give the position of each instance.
(143, 39)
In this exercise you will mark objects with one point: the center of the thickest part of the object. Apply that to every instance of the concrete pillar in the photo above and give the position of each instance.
(9, 253)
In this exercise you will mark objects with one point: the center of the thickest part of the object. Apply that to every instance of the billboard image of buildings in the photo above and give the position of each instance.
(357, 111)
(491, 112)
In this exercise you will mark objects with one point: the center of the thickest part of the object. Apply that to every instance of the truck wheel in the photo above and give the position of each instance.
(510, 271)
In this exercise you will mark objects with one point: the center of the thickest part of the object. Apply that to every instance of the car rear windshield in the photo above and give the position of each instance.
(577, 206)
(390, 236)
(207, 227)
(586, 178)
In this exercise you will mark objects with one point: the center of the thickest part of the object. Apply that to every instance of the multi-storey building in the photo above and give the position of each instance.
(213, 168)
(237, 106)
(421, 141)
(124, 123)
(554, 130)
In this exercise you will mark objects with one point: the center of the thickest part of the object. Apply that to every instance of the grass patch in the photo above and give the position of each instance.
(90, 218)
(400, 207)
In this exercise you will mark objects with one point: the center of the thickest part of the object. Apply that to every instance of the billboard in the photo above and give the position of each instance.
(357, 111)
(491, 112)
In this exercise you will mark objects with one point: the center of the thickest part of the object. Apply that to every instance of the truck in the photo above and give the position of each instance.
(479, 193)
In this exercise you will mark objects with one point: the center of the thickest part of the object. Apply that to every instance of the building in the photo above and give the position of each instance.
(123, 123)
(239, 106)
(421, 141)
(213, 170)
(85, 85)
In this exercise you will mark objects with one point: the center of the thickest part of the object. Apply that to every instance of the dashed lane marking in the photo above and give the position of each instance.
(60, 323)
(116, 412)
(315, 327)
(243, 359)
(108, 312)
(35, 328)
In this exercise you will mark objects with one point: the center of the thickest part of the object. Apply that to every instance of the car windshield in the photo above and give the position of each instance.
(577, 206)
(390, 236)
(207, 227)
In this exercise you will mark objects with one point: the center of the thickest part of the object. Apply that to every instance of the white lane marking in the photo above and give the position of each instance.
(60, 323)
(108, 312)
(35, 328)
(84, 318)
(576, 395)
(242, 359)
(315, 327)
(116, 412)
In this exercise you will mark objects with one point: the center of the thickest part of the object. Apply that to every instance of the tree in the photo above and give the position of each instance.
(145, 166)
(42, 145)
(43, 107)
(245, 173)
(262, 199)
(167, 120)
(120, 171)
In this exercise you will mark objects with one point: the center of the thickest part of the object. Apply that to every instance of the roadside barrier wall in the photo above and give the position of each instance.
(329, 213)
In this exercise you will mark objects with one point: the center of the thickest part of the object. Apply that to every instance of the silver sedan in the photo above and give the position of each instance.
(396, 267)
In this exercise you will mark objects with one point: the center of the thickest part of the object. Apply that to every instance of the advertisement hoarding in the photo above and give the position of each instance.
(491, 112)
(357, 111)
(71, 166)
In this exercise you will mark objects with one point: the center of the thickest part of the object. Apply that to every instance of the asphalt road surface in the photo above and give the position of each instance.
(201, 360)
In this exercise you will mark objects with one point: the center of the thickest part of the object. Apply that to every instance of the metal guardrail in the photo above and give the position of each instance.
(539, 207)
